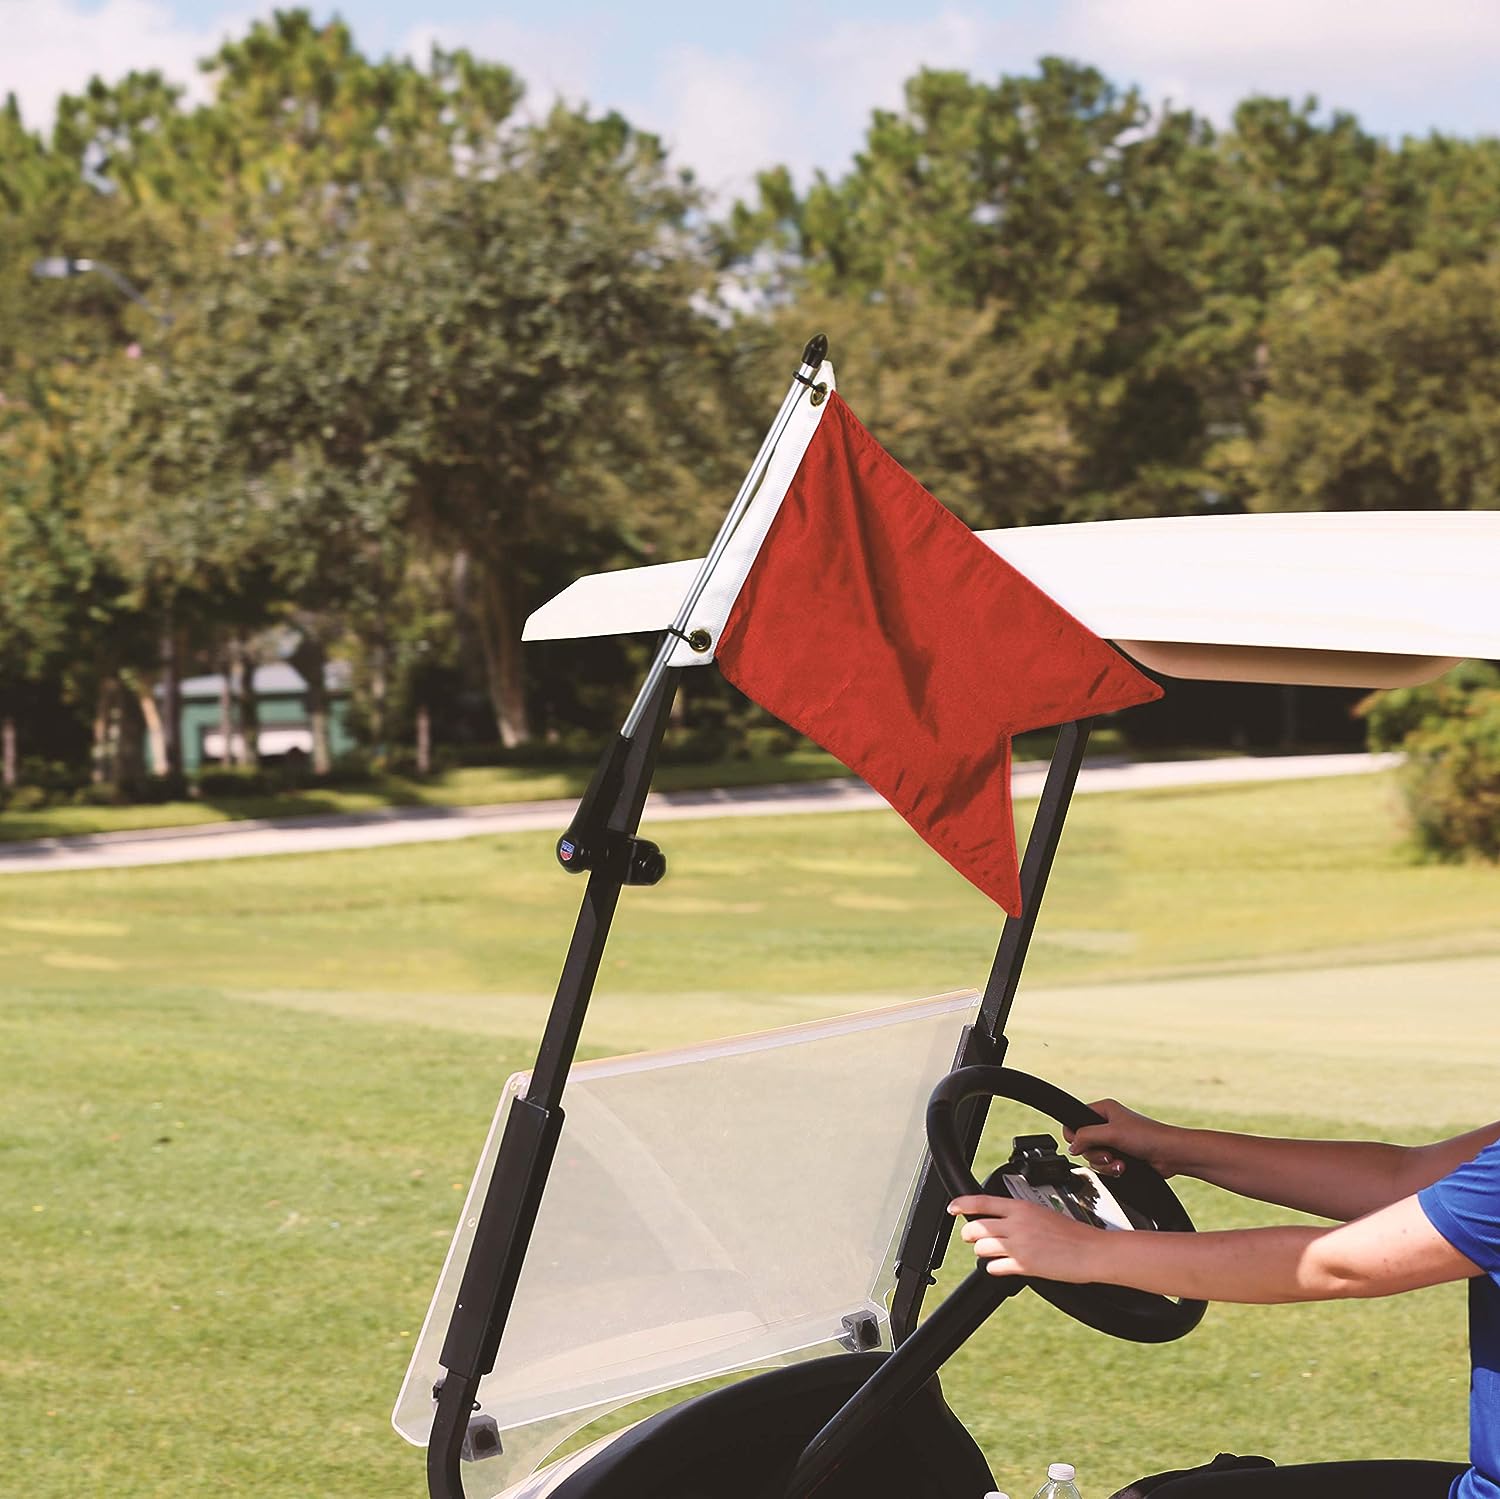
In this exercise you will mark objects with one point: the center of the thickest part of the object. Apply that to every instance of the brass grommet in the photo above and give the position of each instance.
(700, 640)
(820, 393)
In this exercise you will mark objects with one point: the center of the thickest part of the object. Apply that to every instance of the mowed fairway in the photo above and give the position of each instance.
(241, 1101)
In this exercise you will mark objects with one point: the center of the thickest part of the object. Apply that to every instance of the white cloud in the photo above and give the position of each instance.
(721, 119)
(804, 99)
(863, 66)
(1390, 54)
(1339, 37)
(553, 62)
(52, 47)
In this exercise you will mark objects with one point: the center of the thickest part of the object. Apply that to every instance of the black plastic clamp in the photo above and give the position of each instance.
(482, 1439)
(481, 1436)
(861, 1333)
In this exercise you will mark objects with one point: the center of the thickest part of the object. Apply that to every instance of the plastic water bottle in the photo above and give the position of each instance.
(1059, 1484)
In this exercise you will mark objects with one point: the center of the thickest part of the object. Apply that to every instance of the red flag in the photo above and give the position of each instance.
(875, 622)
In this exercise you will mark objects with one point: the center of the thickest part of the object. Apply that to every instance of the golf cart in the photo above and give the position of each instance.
(679, 1229)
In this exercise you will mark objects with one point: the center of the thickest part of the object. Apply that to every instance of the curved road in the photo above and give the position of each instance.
(301, 835)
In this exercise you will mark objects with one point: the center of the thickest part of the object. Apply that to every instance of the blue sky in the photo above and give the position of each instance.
(734, 88)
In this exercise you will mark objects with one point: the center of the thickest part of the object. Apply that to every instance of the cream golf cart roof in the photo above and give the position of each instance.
(1341, 598)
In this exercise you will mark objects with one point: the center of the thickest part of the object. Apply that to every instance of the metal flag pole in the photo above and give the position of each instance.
(604, 832)
(578, 848)
(813, 355)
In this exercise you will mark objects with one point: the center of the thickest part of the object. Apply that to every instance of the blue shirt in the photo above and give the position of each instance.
(1465, 1209)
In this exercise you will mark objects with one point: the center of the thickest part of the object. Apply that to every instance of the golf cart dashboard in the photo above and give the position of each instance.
(1038, 1172)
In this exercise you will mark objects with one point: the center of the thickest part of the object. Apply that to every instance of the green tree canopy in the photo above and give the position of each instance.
(1383, 392)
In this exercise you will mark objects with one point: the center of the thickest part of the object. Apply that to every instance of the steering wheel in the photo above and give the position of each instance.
(1140, 1316)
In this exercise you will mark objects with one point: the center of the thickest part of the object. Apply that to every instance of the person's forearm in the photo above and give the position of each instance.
(1395, 1249)
(1256, 1265)
(1333, 1178)
(1263, 1265)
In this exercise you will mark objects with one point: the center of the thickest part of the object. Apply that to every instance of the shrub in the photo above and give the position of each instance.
(27, 799)
(102, 794)
(232, 781)
(766, 741)
(1391, 716)
(54, 777)
(573, 746)
(697, 746)
(156, 789)
(352, 768)
(1451, 779)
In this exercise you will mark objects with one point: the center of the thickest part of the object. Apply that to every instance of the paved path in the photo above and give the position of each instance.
(303, 835)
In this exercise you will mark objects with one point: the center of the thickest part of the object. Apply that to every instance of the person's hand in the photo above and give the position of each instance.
(1128, 1133)
(1023, 1238)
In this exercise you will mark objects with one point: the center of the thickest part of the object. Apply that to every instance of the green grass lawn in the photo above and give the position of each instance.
(242, 1099)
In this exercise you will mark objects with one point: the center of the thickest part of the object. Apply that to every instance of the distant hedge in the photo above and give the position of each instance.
(1449, 732)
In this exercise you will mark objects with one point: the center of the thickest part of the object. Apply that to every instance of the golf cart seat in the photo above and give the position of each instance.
(743, 1441)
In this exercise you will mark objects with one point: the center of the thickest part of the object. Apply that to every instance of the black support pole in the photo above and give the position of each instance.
(924, 1240)
(1036, 866)
(534, 1123)
(902, 1375)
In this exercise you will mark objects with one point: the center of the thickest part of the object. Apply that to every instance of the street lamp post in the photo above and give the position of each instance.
(64, 268)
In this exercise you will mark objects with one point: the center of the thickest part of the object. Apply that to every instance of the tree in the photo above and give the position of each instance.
(544, 357)
(980, 193)
(425, 322)
(1120, 268)
(1063, 218)
(65, 610)
(1384, 391)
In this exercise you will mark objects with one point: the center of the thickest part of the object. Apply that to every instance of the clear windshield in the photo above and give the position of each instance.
(718, 1207)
